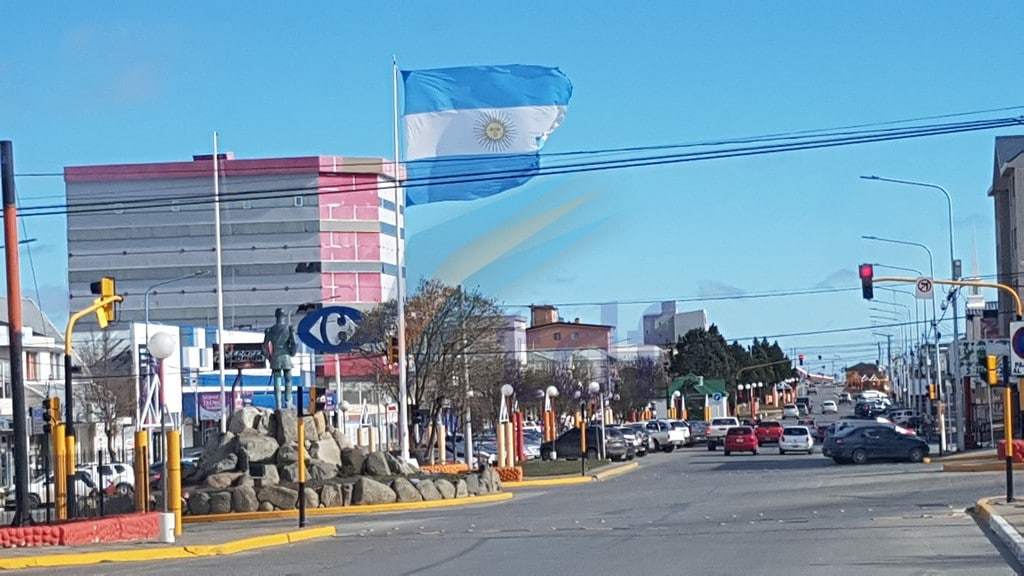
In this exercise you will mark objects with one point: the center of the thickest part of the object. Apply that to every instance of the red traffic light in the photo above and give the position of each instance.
(867, 286)
(867, 271)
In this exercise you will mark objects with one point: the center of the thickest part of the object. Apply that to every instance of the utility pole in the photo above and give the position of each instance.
(22, 515)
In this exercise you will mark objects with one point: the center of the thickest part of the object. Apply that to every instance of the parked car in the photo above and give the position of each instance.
(698, 431)
(768, 432)
(901, 416)
(845, 398)
(40, 489)
(718, 429)
(869, 408)
(790, 411)
(640, 429)
(796, 439)
(567, 444)
(663, 436)
(740, 439)
(861, 444)
(684, 428)
(118, 478)
(616, 448)
(634, 439)
(829, 407)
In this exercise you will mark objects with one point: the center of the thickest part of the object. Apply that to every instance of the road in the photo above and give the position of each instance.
(690, 512)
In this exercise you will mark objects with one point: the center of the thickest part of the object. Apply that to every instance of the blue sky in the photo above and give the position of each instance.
(100, 83)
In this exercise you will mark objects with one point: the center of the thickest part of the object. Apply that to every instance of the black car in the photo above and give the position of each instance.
(869, 409)
(567, 445)
(874, 442)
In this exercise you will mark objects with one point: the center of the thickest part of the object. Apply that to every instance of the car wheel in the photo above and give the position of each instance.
(711, 446)
(727, 452)
(916, 455)
(657, 446)
(782, 452)
(755, 452)
(859, 456)
(124, 489)
(670, 447)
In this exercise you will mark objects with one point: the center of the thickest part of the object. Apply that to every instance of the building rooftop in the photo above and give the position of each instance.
(32, 317)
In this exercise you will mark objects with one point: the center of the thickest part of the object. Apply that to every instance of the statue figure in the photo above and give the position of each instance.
(279, 345)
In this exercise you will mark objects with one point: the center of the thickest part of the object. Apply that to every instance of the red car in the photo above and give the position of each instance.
(768, 432)
(740, 439)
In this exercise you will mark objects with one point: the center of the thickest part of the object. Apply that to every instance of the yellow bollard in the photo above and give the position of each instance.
(69, 470)
(302, 452)
(141, 471)
(60, 493)
(174, 477)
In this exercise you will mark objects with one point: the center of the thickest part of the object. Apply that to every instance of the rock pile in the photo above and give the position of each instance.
(254, 466)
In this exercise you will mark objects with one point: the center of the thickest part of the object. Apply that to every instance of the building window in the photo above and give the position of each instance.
(31, 366)
(575, 335)
(557, 336)
(298, 201)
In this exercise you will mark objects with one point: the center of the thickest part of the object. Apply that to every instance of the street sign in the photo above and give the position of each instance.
(241, 355)
(1017, 348)
(329, 330)
(716, 397)
(924, 288)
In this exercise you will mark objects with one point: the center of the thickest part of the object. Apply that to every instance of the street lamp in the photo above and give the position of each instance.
(505, 442)
(345, 406)
(594, 388)
(935, 322)
(550, 418)
(161, 346)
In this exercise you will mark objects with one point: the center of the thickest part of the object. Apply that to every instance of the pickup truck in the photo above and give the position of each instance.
(664, 437)
(718, 429)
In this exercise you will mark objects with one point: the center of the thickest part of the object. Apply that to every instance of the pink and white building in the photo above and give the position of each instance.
(295, 231)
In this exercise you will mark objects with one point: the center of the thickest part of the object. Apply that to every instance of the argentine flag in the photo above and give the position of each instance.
(474, 131)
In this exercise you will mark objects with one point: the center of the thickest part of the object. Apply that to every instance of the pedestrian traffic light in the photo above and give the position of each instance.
(105, 288)
(992, 369)
(867, 275)
(393, 350)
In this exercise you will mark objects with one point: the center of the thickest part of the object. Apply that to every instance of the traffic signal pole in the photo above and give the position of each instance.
(22, 515)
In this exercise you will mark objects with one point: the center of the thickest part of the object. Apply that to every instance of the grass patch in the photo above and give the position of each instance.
(540, 468)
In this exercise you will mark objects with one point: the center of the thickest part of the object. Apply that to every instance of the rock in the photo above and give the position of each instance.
(257, 447)
(369, 491)
(266, 506)
(312, 499)
(289, 472)
(226, 464)
(270, 475)
(376, 465)
(219, 454)
(460, 489)
(199, 503)
(311, 433)
(220, 502)
(405, 491)
(331, 496)
(341, 438)
(395, 464)
(243, 499)
(319, 425)
(472, 484)
(446, 488)
(317, 471)
(428, 490)
(243, 419)
(286, 427)
(346, 494)
(352, 460)
(222, 480)
(490, 476)
(280, 496)
(326, 450)
(245, 480)
(287, 454)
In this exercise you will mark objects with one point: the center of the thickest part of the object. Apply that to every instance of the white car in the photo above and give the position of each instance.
(790, 411)
(717, 430)
(829, 407)
(796, 439)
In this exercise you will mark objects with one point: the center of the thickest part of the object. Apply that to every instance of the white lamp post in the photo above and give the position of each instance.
(161, 345)
(595, 388)
(551, 419)
(506, 444)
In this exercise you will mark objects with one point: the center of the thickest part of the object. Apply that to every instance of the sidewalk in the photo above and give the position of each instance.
(1005, 520)
(196, 540)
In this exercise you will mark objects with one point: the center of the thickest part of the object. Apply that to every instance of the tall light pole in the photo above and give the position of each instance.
(954, 274)
(935, 325)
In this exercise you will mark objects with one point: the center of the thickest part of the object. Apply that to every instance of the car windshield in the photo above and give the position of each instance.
(769, 424)
(795, 431)
(740, 431)
(679, 425)
(723, 422)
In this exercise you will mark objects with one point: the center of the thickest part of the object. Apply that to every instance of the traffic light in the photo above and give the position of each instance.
(931, 392)
(867, 275)
(992, 370)
(801, 359)
(105, 288)
(51, 413)
(393, 350)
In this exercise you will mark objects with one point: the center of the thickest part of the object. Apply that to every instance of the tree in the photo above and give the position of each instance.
(705, 353)
(640, 381)
(107, 389)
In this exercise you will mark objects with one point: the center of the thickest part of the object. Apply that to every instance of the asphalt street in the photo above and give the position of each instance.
(690, 512)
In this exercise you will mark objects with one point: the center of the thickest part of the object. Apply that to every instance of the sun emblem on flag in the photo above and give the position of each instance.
(494, 131)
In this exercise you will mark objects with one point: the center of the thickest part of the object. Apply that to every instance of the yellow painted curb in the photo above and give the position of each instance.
(552, 481)
(350, 510)
(615, 471)
(167, 552)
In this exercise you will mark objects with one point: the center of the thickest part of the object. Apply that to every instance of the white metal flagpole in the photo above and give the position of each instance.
(220, 285)
(403, 392)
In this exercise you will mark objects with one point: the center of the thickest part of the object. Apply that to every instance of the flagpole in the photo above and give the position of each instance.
(403, 391)
(220, 285)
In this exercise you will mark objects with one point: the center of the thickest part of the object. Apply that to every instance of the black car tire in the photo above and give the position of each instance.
(916, 455)
(670, 447)
(859, 456)
(755, 451)
(782, 452)
(657, 445)
(711, 446)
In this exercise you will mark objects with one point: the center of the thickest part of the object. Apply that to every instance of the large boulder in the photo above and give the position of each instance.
(199, 503)
(219, 454)
(245, 480)
(319, 425)
(405, 491)
(257, 447)
(243, 499)
(247, 418)
(289, 472)
(281, 497)
(222, 480)
(352, 460)
(346, 494)
(311, 433)
(312, 498)
(341, 438)
(327, 450)
(472, 484)
(446, 488)
(398, 466)
(270, 475)
(226, 464)
(331, 496)
(286, 428)
(428, 490)
(492, 479)
(317, 471)
(287, 454)
(376, 464)
(220, 502)
(369, 491)
(460, 489)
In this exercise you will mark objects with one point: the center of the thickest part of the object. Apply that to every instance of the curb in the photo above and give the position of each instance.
(350, 510)
(1006, 533)
(599, 476)
(615, 471)
(975, 467)
(166, 553)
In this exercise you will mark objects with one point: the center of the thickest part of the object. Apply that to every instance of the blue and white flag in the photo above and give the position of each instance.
(475, 131)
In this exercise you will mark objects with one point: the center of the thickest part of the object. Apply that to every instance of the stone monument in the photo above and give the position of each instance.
(279, 345)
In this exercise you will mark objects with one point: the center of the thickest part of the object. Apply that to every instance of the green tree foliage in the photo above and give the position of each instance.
(706, 353)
